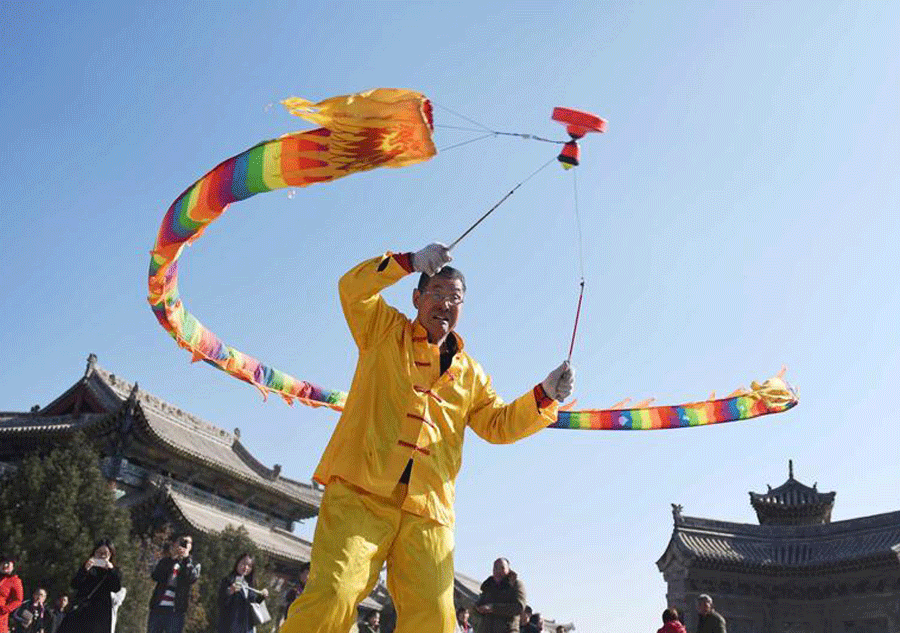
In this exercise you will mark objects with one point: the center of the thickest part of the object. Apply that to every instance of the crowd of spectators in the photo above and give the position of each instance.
(501, 607)
(98, 592)
(708, 619)
(26, 616)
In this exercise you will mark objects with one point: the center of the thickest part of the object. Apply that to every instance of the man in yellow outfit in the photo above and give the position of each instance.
(390, 467)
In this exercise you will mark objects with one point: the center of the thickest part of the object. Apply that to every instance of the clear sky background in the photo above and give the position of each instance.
(741, 213)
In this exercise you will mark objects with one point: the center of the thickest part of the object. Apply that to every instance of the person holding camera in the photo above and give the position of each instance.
(33, 616)
(237, 597)
(94, 584)
(174, 575)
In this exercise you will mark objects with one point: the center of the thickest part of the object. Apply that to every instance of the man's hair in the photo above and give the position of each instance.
(177, 536)
(460, 610)
(704, 597)
(670, 615)
(303, 567)
(447, 272)
(535, 618)
(368, 616)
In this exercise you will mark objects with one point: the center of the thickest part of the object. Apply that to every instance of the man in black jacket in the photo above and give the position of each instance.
(709, 621)
(501, 601)
(174, 576)
(58, 612)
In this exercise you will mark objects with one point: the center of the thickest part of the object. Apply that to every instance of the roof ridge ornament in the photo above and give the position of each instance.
(91, 364)
(676, 513)
(790, 469)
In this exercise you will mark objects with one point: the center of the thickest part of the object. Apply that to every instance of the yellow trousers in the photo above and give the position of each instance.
(356, 534)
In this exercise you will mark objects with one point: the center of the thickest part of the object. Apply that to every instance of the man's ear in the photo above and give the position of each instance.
(416, 295)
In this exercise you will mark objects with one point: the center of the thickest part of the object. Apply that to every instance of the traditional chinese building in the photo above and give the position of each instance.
(169, 466)
(795, 572)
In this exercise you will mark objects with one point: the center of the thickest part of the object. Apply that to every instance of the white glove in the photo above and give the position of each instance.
(559, 383)
(431, 259)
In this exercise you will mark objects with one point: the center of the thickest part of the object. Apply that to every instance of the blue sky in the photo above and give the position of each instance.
(741, 213)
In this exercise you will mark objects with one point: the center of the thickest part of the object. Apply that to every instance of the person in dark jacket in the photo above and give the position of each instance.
(371, 622)
(291, 594)
(174, 574)
(501, 601)
(671, 622)
(32, 616)
(11, 592)
(236, 592)
(462, 621)
(709, 621)
(535, 624)
(94, 584)
(58, 612)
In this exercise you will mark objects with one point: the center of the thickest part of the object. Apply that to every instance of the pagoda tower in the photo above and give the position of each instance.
(792, 503)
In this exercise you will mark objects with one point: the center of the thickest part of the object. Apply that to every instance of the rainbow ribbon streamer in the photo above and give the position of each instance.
(380, 128)
(772, 396)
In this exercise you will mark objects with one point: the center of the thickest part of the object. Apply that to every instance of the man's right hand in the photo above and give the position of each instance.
(558, 385)
(431, 259)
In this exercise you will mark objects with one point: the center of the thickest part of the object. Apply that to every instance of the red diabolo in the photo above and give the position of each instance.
(569, 155)
(577, 124)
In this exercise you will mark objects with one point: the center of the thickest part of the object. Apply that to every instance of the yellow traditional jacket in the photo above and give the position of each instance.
(400, 407)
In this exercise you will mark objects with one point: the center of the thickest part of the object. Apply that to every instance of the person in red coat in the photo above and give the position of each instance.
(10, 591)
(671, 623)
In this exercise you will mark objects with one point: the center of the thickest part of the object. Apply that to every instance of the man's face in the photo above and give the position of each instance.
(7, 567)
(374, 620)
(439, 306)
(304, 575)
(703, 607)
(463, 616)
(39, 596)
(501, 569)
(63, 602)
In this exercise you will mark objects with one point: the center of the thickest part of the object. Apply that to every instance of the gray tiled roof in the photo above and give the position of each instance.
(179, 430)
(209, 519)
(222, 451)
(468, 587)
(195, 437)
(792, 503)
(30, 423)
(792, 493)
(842, 544)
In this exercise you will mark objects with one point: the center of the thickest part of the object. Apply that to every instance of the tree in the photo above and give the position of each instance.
(53, 509)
